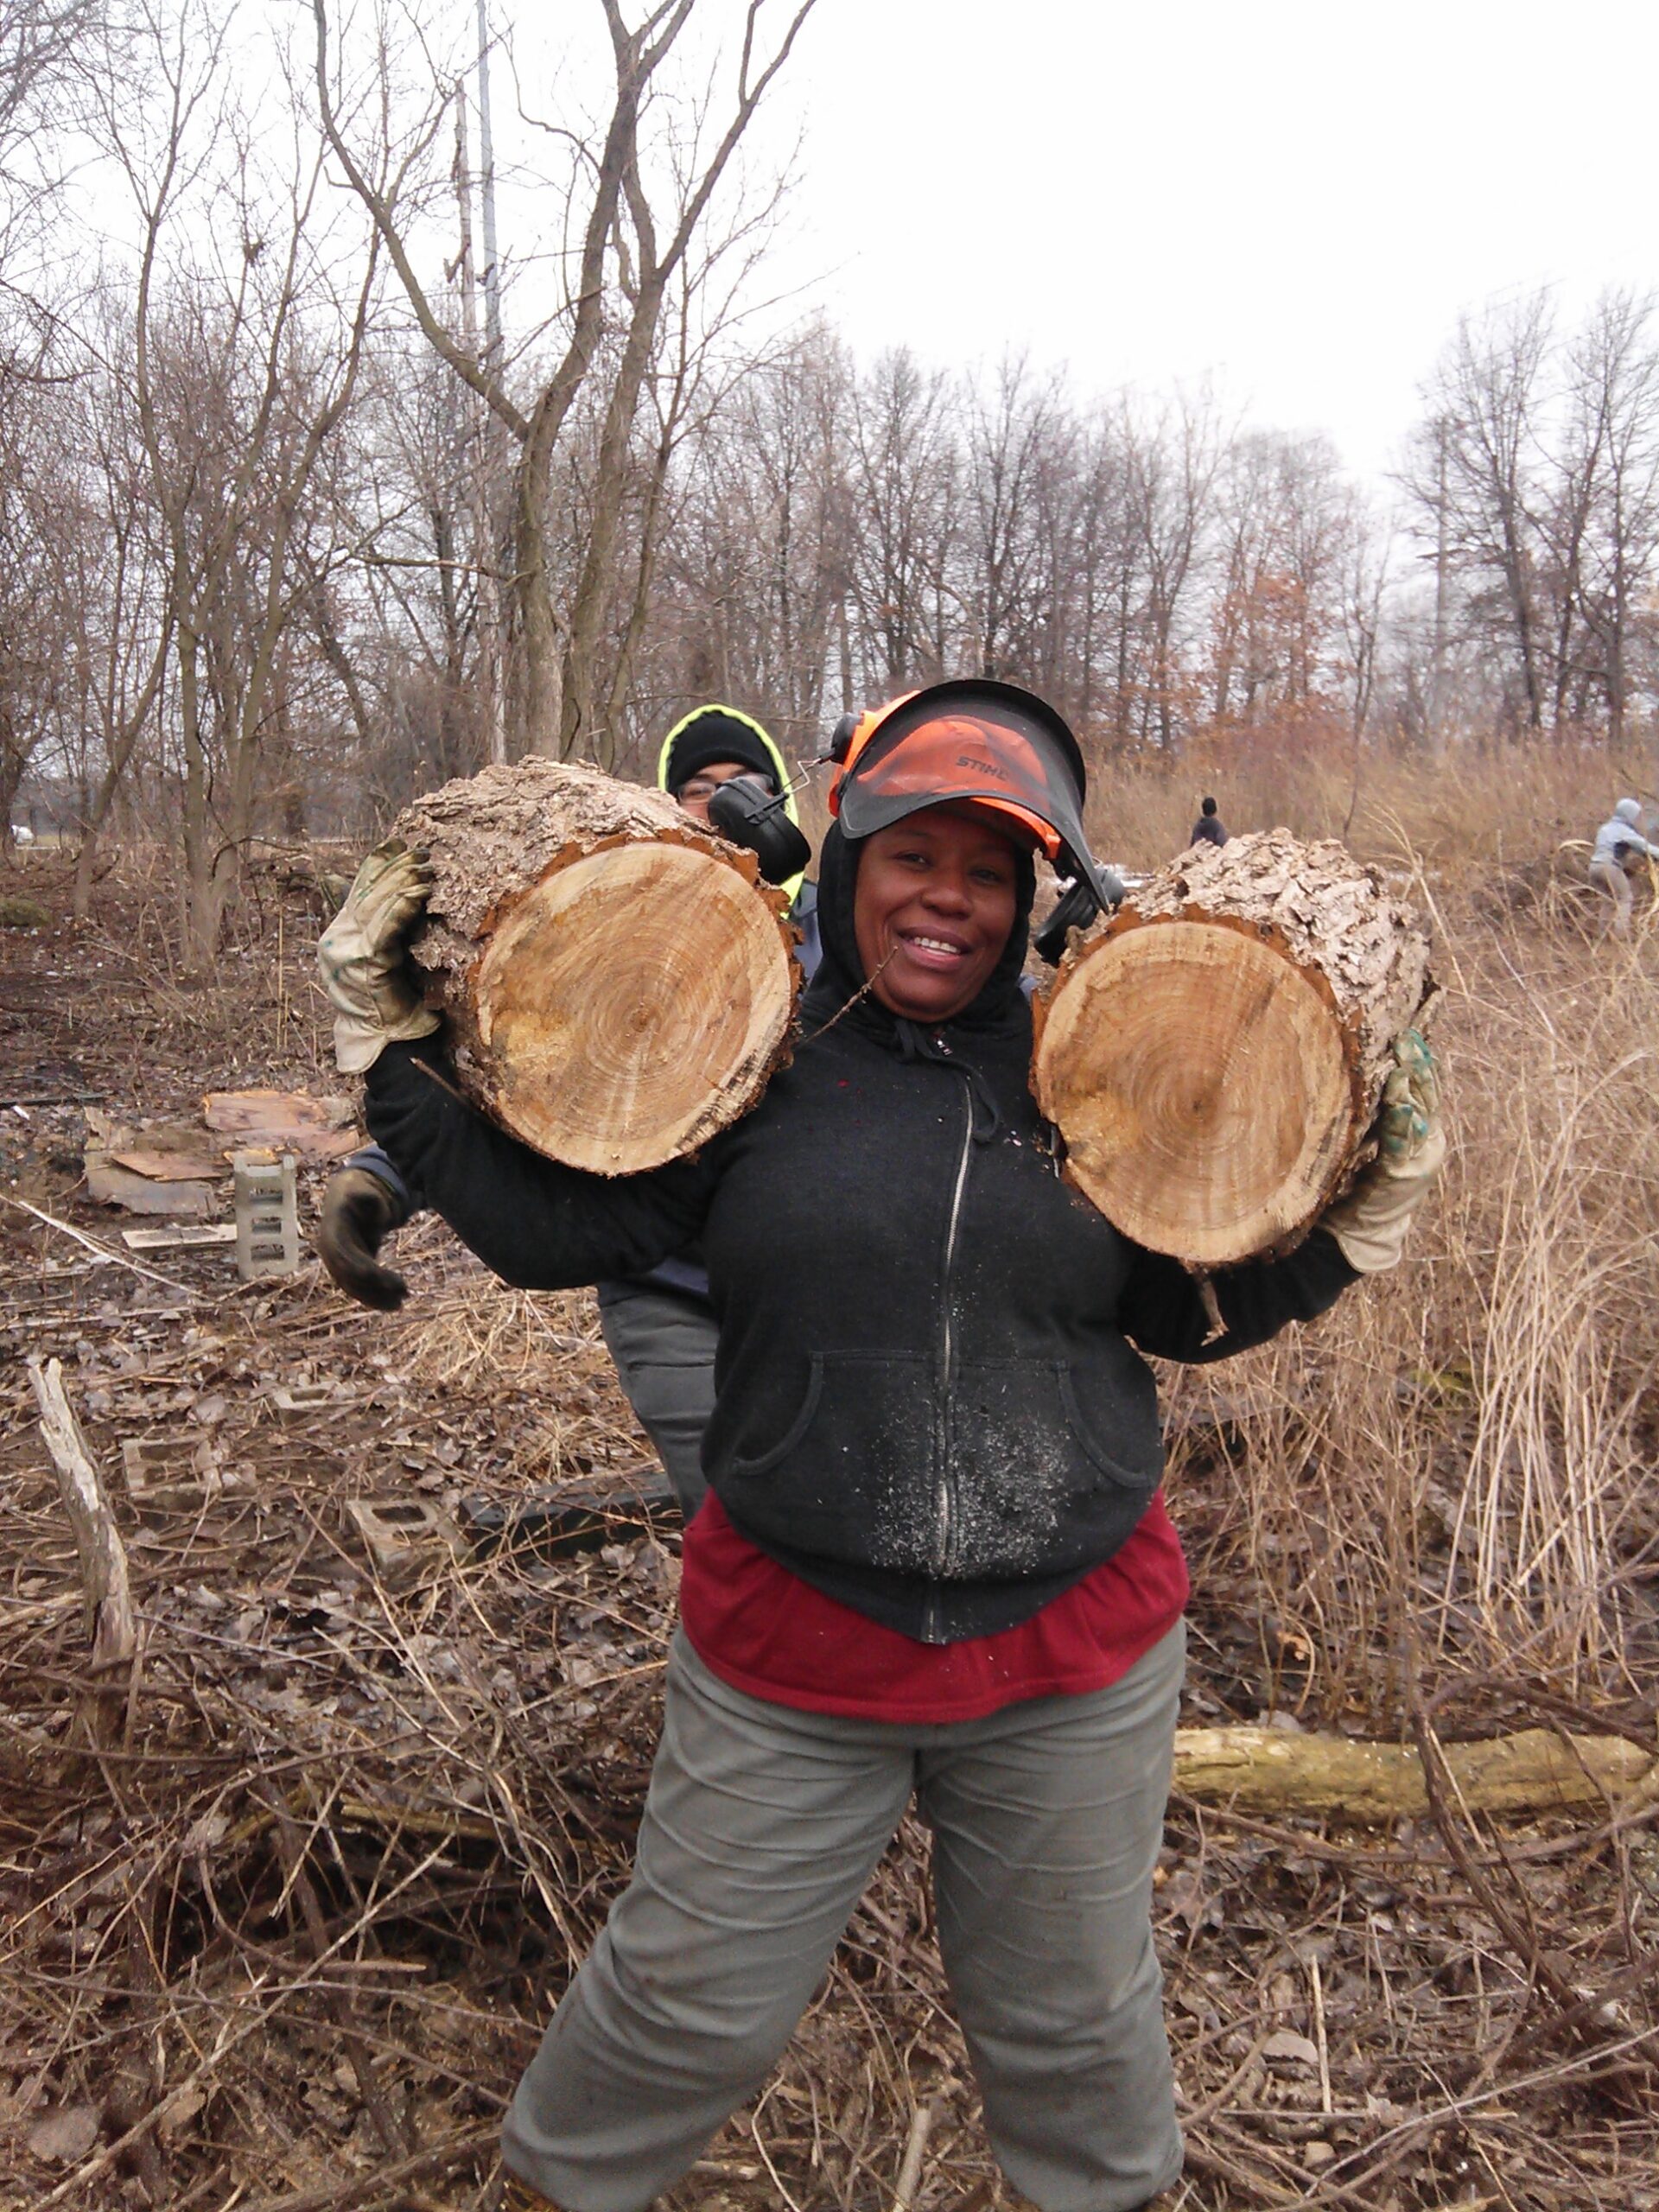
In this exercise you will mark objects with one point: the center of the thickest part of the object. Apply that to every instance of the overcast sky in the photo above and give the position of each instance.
(1293, 199)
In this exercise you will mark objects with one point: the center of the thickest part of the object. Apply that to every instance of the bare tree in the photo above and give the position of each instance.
(1473, 477)
(556, 675)
(46, 46)
(1172, 457)
(905, 465)
(1011, 432)
(125, 636)
(761, 563)
(244, 361)
(38, 533)
(1610, 479)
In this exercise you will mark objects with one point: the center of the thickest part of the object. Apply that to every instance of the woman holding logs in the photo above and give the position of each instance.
(935, 1559)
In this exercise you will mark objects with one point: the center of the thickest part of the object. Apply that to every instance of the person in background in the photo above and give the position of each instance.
(1618, 842)
(659, 1327)
(1208, 828)
(712, 746)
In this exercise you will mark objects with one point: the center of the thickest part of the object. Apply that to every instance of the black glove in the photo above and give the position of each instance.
(746, 812)
(359, 1211)
(1078, 905)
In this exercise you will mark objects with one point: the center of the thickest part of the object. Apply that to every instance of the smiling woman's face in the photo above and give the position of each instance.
(934, 905)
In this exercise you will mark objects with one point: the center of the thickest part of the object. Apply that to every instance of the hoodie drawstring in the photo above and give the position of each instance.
(916, 1043)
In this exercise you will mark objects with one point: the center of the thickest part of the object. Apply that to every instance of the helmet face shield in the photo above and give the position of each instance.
(967, 740)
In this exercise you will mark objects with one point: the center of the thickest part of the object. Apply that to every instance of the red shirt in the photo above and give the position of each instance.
(766, 1632)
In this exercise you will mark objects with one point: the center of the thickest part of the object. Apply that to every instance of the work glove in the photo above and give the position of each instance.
(362, 958)
(358, 1212)
(746, 813)
(1370, 1224)
(1088, 895)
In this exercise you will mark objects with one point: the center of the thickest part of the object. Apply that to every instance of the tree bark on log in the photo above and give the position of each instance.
(1213, 1053)
(103, 1557)
(618, 983)
(1537, 1771)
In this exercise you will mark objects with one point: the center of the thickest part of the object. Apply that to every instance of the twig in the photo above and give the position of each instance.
(1540, 1970)
(910, 2169)
(104, 1251)
(1377, 2157)
(979, 2197)
(1319, 2033)
(246, 2022)
(54, 1098)
(863, 991)
(392, 2139)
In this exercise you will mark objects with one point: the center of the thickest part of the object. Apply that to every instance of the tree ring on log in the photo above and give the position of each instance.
(1213, 1056)
(1222, 1119)
(617, 986)
(613, 1065)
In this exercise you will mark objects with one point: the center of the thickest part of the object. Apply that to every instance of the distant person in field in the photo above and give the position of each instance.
(1208, 828)
(1619, 842)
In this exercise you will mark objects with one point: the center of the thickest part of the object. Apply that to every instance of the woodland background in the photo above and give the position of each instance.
(309, 499)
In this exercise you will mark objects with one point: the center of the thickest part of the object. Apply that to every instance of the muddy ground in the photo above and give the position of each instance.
(284, 1940)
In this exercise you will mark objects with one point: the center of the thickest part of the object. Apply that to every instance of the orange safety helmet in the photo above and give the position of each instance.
(969, 739)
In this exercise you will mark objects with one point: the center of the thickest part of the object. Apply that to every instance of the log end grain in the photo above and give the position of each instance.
(1212, 1055)
(630, 1005)
(1220, 1118)
(618, 983)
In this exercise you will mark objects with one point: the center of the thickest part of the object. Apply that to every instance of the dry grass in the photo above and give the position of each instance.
(1456, 1469)
(1468, 812)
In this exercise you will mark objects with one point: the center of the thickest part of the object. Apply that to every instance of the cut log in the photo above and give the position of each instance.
(1213, 1053)
(1536, 1770)
(618, 983)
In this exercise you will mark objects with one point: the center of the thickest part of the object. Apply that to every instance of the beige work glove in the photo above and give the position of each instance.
(1370, 1224)
(362, 956)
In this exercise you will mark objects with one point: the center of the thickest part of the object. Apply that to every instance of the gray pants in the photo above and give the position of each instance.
(762, 1827)
(1613, 882)
(662, 1342)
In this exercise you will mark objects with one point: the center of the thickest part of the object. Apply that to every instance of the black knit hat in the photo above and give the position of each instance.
(715, 734)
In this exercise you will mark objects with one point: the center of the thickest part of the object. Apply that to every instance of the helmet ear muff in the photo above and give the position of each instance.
(841, 738)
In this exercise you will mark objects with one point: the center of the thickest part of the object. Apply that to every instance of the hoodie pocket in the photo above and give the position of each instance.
(1033, 1490)
(851, 1477)
(762, 1462)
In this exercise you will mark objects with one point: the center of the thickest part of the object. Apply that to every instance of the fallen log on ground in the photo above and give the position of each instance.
(1213, 1053)
(618, 982)
(1537, 1771)
(1264, 1771)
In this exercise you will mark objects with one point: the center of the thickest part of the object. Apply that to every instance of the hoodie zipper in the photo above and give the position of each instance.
(944, 1484)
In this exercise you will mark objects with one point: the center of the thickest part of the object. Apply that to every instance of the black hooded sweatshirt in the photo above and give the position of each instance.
(927, 1403)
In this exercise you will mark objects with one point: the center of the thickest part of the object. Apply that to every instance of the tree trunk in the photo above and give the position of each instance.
(1213, 1054)
(618, 982)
